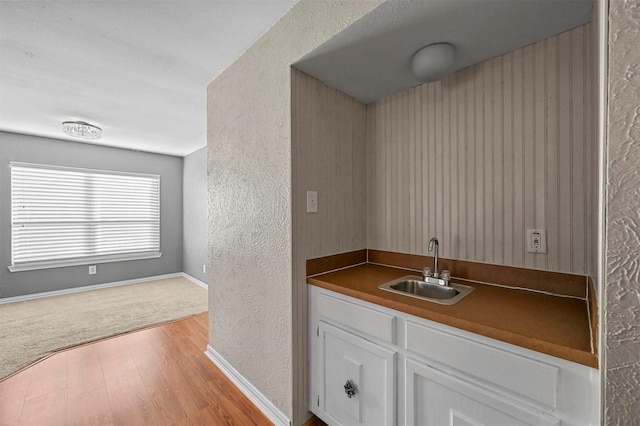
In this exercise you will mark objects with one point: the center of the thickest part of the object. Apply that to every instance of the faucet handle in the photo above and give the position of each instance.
(426, 272)
(446, 276)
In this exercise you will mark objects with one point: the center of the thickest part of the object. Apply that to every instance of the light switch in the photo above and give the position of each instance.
(312, 201)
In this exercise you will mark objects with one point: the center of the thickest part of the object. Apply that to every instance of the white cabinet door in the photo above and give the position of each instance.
(438, 399)
(367, 370)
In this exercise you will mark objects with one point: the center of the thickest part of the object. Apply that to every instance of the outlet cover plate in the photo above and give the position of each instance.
(536, 241)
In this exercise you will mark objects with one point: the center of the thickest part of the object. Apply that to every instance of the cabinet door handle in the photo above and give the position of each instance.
(350, 389)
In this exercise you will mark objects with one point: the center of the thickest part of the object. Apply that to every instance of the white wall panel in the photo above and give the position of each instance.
(255, 320)
(328, 155)
(329, 146)
(485, 153)
(621, 285)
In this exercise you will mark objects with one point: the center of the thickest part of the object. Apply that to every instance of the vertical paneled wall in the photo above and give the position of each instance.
(480, 156)
(328, 156)
(328, 153)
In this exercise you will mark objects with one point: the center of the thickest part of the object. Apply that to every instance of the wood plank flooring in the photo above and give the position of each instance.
(157, 376)
(314, 421)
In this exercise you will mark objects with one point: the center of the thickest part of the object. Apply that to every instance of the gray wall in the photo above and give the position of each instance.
(194, 213)
(16, 147)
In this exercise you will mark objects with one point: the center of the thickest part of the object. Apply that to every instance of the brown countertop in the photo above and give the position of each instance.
(554, 325)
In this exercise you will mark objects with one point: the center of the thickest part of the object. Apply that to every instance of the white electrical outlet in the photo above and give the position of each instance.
(92, 269)
(536, 241)
(204, 269)
(312, 201)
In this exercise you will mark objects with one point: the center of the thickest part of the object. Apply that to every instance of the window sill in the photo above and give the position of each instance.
(80, 262)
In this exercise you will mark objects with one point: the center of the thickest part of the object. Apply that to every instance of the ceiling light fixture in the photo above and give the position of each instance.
(433, 61)
(80, 129)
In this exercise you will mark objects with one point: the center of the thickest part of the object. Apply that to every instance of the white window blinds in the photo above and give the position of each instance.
(63, 216)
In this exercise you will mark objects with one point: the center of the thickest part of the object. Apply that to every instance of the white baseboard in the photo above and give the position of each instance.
(94, 287)
(259, 400)
(195, 280)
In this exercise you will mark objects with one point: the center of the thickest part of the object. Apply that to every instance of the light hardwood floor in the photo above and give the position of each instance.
(157, 376)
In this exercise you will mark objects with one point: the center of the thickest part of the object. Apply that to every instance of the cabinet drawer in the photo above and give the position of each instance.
(357, 317)
(524, 377)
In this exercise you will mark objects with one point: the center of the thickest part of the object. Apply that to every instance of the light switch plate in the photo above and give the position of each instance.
(312, 201)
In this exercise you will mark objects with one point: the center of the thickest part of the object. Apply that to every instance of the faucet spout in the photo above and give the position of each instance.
(433, 245)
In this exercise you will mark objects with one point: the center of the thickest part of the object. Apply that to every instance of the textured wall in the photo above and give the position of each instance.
(32, 149)
(249, 193)
(194, 213)
(328, 156)
(487, 152)
(621, 367)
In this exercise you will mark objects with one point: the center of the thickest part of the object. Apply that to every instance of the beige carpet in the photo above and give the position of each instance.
(34, 329)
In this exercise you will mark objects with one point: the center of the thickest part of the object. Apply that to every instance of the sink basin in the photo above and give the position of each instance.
(415, 286)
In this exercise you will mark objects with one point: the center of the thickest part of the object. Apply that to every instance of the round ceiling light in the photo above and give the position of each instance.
(80, 129)
(433, 61)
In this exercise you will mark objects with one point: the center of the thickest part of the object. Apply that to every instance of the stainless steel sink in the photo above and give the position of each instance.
(415, 286)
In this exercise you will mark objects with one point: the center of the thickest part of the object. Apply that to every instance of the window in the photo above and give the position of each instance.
(62, 216)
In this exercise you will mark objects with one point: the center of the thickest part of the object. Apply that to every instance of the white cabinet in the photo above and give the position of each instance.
(510, 374)
(358, 380)
(437, 399)
(410, 371)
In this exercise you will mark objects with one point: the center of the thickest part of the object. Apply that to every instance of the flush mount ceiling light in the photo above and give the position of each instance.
(433, 61)
(80, 129)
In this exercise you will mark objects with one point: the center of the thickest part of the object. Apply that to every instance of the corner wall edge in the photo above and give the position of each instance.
(249, 390)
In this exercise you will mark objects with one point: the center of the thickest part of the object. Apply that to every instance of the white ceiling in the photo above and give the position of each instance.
(137, 69)
(371, 59)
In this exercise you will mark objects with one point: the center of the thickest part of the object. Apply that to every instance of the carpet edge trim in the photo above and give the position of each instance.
(87, 288)
(255, 396)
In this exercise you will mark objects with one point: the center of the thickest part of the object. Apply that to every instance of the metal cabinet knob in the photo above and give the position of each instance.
(350, 389)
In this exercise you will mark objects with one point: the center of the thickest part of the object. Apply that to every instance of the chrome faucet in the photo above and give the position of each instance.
(435, 277)
(434, 243)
